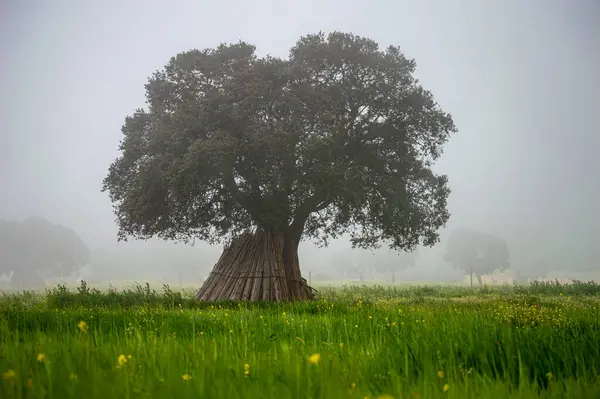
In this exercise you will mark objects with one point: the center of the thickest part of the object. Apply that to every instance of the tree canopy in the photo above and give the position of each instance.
(477, 253)
(35, 245)
(339, 138)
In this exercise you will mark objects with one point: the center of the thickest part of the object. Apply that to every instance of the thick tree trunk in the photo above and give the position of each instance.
(292, 265)
(259, 266)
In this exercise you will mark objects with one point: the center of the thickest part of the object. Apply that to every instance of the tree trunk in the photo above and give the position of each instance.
(471, 275)
(479, 280)
(260, 266)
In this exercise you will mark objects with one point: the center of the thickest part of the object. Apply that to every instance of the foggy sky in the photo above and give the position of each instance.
(519, 77)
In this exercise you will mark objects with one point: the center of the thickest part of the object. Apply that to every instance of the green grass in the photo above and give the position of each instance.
(518, 342)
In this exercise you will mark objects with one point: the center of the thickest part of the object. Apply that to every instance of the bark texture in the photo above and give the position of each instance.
(260, 266)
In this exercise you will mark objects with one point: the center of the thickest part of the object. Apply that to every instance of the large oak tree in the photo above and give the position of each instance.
(339, 138)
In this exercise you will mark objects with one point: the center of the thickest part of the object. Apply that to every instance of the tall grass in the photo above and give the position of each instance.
(354, 342)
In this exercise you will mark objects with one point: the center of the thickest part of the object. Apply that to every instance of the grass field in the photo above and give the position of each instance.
(354, 342)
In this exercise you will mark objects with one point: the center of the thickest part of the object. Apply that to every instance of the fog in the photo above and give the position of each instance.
(520, 79)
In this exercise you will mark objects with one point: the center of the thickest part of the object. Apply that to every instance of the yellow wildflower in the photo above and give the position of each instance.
(446, 387)
(9, 375)
(186, 377)
(82, 326)
(41, 357)
(440, 374)
(314, 358)
(246, 369)
(121, 360)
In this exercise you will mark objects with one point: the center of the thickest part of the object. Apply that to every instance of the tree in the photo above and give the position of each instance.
(354, 263)
(361, 261)
(533, 260)
(36, 245)
(535, 268)
(393, 262)
(477, 253)
(338, 138)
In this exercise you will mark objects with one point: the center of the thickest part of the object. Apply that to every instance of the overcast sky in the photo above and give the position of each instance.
(519, 77)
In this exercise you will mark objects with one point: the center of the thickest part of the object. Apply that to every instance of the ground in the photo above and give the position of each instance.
(353, 342)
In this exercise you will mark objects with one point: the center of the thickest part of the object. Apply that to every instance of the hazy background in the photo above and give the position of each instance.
(521, 79)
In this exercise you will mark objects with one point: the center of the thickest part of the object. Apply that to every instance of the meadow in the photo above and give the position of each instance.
(541, 340)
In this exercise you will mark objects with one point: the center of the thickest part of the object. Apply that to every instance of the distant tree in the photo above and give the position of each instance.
(358, 262)
(477, 253)
(553, 253)
(541, 261)
(535, 268)
(393, 262)
(532, 260)
(36, 245)
(338, 138)
(353, 263)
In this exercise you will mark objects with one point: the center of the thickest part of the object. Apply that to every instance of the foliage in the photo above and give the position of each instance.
(370, 342)
(36, 244)
(477, 253)
(338, 138)
(576, 287)
(141, 296)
